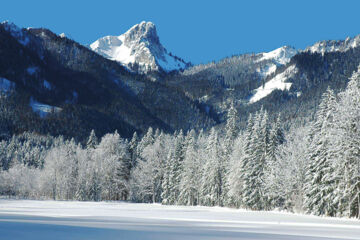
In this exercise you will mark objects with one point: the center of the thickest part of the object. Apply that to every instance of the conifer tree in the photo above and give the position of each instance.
(320, 175)
(231, 132)
(132, 149)
(276, 138)
(211, 185)
(253, 164)
(348, 154)
(189, 184)
(234, 174)
(92, 140)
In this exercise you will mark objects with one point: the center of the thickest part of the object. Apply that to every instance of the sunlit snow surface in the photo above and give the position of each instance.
(280, 55)
(21, 219)
(267, 70)
(139, 45)
(277, 82)
(334, 46)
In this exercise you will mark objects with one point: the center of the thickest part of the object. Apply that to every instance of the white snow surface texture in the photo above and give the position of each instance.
(278, 82)
(139, 45)
(280, 56)
(24, 219)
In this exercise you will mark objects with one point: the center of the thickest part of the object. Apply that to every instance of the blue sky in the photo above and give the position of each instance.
(198, 31)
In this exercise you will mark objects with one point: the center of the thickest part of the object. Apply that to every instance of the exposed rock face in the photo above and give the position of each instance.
(139, 49)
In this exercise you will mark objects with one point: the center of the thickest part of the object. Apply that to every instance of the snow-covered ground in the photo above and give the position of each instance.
(277, 82)
(24, 219)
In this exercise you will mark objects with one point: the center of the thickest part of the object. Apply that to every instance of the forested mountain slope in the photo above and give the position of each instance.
(293, 87)
(53, 85)
(88, 91)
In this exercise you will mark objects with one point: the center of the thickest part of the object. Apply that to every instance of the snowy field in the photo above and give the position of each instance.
(22, 219)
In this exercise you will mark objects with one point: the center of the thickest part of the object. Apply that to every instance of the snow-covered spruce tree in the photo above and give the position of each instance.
(275, 139)
(263, 154)
(234, 174)
(166, 183)
(146, 185)
(92, 141)
(139, 191)
(189, 184)
(132, 149)
(285, 178)
(114, 164)
(348, 155)
(173, 169)
(177, 162)
(85, 165)
(320, 177)
(145, 141)
(88, 182)
(246, 157)
(231, 132)
(211, 183)
(253, 163)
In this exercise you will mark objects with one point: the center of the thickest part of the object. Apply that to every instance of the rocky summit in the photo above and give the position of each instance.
(139, 49)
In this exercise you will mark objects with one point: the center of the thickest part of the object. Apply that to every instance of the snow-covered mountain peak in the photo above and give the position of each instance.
(280, 55)
(143, 31)
(334, 45)
(275, 58)
(139, 49)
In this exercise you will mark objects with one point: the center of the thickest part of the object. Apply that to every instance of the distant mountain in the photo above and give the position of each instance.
(139, 49)
(334, 46)
(285, 80)
(54, 85)
(51, 84)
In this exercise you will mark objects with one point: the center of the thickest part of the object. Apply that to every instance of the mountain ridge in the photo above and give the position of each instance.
(72, 84)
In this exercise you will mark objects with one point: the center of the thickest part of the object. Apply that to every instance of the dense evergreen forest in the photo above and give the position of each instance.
(312, 168)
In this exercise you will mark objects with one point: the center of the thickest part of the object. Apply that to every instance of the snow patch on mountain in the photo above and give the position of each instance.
(6, 86)
(278, 57)
(334, 46)
(43, 109)
(32, 70)
(139, 49)
(112, 47)
(267, 70)
(277, 82)
(47, 85)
